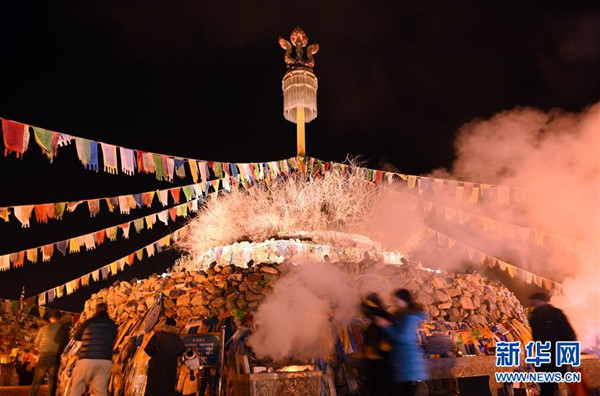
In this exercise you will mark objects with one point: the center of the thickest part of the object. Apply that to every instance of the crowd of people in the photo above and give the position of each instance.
(394, 364)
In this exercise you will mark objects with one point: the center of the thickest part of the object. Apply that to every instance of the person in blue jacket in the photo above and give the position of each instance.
(408, 365)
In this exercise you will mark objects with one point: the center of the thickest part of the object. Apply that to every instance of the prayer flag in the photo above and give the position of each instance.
(125, 227)
(164, 216)
(203, 171)
(150, 221)
(4, 213)
(127, 161)
(180, 168)
(59, 210)
(159, 166)
(41, 216)
(193, 170)
(16, 137)
(47, 140)
(109, 155)
(148, 162)
(47, 252)
(111, 233)
(23, 214)
(89, 240)
(87, 151)
(124, 204)
(5, 262)
(188, 191)
(112, 203)
(93, 207)
(147, 198)
(163, 197)
(150, 250)
(138, 224)
(32, 255)
(175, 193)
(100, 237)
(170, 169)
(71, 206)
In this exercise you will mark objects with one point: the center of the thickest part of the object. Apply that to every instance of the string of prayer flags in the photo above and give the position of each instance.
(491, 261)
(45, 212)
(490, 225)
(470, 192)
(165, 167)
(96, 238)
(16, 137)
(113, 268)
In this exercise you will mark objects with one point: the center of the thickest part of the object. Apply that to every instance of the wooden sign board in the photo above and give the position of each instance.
(206, 346)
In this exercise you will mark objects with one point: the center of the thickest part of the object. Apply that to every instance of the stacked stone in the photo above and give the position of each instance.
(222, 289)
(466, 298)
(193, 294)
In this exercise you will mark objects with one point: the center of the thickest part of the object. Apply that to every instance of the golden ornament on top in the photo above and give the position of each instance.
(299, 40)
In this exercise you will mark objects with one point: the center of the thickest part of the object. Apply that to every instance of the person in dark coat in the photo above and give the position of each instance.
(50, 340)
(549, 323)
(375, 348)
(164, 347)
(407, 362)
(97, 336)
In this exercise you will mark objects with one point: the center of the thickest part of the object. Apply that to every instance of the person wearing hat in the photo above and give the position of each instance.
(187, 384)
(406, 360)
(164, 347)
(549, 323)
(50, 341)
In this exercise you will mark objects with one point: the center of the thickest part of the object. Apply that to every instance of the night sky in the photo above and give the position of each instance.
(203, 80)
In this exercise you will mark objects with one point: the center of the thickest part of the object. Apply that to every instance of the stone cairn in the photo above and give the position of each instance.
(221, 289)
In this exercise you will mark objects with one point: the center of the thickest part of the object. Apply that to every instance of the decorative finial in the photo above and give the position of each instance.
(299, 40)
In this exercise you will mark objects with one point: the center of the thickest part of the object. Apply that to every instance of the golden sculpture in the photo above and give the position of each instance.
(299, 40)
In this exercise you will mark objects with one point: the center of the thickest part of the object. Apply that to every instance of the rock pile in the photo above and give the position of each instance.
(222, 289)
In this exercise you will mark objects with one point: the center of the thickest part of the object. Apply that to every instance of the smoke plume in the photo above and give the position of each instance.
(555, 157)
(296, 320)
